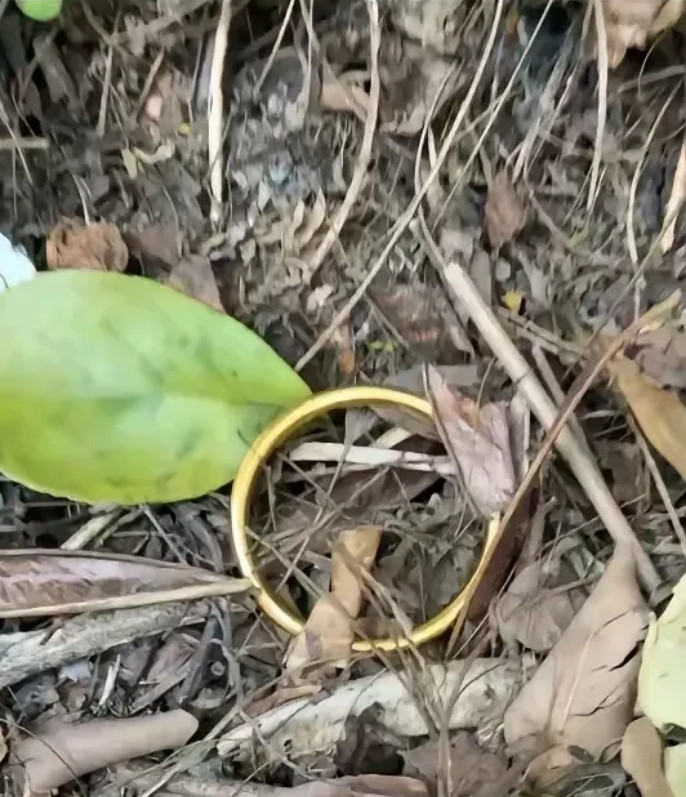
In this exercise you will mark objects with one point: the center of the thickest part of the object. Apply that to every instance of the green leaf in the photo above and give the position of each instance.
(116, 388)
(41, 10)
(662, 677)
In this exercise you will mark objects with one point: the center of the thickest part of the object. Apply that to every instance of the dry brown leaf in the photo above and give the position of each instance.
(676, 200)
(40, 583)
(471, 769)
(95, 247)
(583, 694)
(59, 752)
(157, 242)
(629, 23)
(194, 276)
(479, 439)
(659, 412)
(328, 633)
(534, 610)
(504, 213)
(642, 758)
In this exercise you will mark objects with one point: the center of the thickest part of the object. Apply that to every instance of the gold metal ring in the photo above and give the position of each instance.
(277, 433)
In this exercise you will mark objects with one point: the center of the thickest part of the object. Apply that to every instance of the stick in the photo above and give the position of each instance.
(31, 652)
(488, 686)
(583, 467)
(215, 119)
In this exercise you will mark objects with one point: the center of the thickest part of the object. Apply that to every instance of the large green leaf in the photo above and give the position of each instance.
(116, 388)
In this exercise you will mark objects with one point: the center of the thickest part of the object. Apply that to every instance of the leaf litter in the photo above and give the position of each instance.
(561, 195)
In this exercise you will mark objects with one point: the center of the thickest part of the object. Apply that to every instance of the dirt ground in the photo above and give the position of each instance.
(368, 184)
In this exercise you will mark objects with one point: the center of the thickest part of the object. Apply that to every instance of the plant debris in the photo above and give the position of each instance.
(214, 209)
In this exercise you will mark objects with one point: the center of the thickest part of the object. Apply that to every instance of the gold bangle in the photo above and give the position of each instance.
(277, 433)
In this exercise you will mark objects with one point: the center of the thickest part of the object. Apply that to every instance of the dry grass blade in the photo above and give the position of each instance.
(365, 155)
(215, 122)
(675, 203)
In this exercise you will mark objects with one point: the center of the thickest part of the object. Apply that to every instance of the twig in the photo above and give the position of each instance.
(558, 395)
(659, 484)
(371, 456)
(586, 470)
(275, 49)
(90, 530)
(675, 202)
(102, 115)
(216, 113)
(602, 101)
(365, 154)
(403, 222)
(28, 653)
(308, 726)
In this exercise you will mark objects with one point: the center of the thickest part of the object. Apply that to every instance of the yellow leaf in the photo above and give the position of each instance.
(659, 412)
(513, 301)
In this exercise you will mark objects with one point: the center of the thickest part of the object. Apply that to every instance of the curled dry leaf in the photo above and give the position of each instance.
(582, 695)
(94, 247)
(659, 412)
(662, 679)
(40, 583)
(59, 752)
(329, 632)
(642, 758)
(505, 215)
(479, 439)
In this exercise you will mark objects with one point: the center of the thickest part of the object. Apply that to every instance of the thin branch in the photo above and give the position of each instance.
(215, 138)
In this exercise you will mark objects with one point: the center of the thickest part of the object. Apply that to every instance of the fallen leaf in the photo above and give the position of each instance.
(120, 389)
(642, 758)
(662, 357)
(424, 319)
(94, 247)
(15, 266)
(629, 23)
(479, 439)
(535, 610)
(194, 276)
(582, 695)
(59, 752)
(675, 769)
(39, 583)
(156, 242)
(659, 412)
(662, 679)
(505, 216)
(470, 769)
(329, 630)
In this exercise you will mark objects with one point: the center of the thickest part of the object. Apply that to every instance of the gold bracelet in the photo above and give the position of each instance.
(277, 433)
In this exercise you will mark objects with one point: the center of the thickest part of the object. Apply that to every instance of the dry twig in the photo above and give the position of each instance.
(215, 132)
